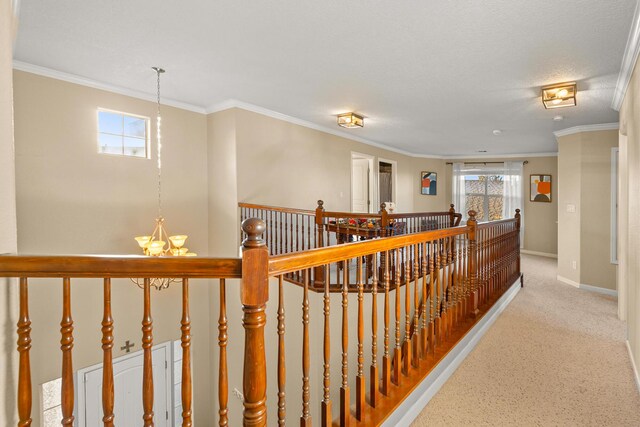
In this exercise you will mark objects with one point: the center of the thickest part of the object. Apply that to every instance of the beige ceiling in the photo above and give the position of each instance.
(432, 77)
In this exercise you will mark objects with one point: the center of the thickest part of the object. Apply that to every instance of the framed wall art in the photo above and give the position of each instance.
(540, 188)
(428, 183)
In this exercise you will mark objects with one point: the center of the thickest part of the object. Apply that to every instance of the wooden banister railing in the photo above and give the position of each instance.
(106, 268)
(423, 292)
(286, 229)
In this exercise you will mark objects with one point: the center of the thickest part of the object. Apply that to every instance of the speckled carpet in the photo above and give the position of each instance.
(555, 357)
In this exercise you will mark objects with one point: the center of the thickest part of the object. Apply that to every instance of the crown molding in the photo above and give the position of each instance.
(631, 52)
(501, 156)
(234, 103)
(83, 81)
(586, 128)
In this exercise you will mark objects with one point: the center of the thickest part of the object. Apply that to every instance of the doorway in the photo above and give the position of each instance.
(362, 183)
(127, 376)
(387, 183)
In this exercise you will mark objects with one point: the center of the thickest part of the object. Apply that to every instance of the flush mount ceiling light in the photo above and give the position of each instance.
(350, 120)
(559, 95)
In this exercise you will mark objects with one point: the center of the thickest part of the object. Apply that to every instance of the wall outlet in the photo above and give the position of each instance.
(238, 394)
(574, 265)
(571, 208)
(341, 194)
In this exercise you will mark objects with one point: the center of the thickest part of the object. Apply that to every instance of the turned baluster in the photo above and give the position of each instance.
(107, 358)
(432, 294)
(24, 346)
(473, 262)
(345, 406)
(373, 371)
(254, 294)
(360, 380)
(185, 342)
(305, 419)
(282, 372)
(66, 345)
(147, 369)
(326, 401)
(406, 345)
(438, 291)
(416, 307)
(397, 350)
(386, 358)
(223, 376)
(423, 331)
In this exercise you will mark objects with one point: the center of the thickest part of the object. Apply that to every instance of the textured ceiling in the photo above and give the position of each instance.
(432, 77)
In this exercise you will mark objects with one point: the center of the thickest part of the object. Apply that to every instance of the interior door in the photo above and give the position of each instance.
(127, 375)
(360, 185)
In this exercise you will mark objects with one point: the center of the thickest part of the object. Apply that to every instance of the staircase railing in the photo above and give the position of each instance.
(450, 278)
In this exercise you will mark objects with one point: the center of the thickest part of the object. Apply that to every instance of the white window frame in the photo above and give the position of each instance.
(147, 138)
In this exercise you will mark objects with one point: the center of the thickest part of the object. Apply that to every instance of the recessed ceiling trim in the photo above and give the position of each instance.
(234, 103)
(586, 128)
(631, 52)
(83, 81)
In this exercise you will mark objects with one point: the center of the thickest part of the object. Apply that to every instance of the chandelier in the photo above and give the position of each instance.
(155, 243)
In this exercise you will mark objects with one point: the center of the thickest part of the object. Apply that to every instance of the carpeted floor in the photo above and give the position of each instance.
(555, 357)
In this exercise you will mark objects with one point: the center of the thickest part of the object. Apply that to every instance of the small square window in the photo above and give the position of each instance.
(123, 134)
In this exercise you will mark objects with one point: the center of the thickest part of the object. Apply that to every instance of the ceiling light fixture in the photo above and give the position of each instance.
(350, 120)
(154, 244)
(558, 118)
(497, 132)
(559, 95)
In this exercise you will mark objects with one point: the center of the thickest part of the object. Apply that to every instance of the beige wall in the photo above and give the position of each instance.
(569, 178)
(596, 268)
(585, 182)
(630, 126)
(284, 164)
(73, 200)
(8, 239)
(540, 219)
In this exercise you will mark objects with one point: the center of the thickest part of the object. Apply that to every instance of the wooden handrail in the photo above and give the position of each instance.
(286, 263)
(114, 266)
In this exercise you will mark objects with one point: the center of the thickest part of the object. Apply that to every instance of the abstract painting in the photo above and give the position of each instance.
(428, 183)
(540, 188)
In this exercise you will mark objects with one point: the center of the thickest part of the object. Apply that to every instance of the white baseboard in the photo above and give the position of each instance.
(413, 405)
(633, 365)
(599, 290)
(567, 281)
(589, 288)
(545, 254)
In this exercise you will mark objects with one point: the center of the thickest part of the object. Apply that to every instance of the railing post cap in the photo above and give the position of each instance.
(320, 203)
(472, 215)
(253, 227)
(517, 212)
(383, 206)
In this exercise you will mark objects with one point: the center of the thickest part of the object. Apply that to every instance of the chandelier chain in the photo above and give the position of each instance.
(159, 142)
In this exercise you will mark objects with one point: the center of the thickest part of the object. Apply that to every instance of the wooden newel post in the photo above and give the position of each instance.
(318, 272)
(473, 262)
(518, 247)
(254, 294)
(452, 215)
(384, 220)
